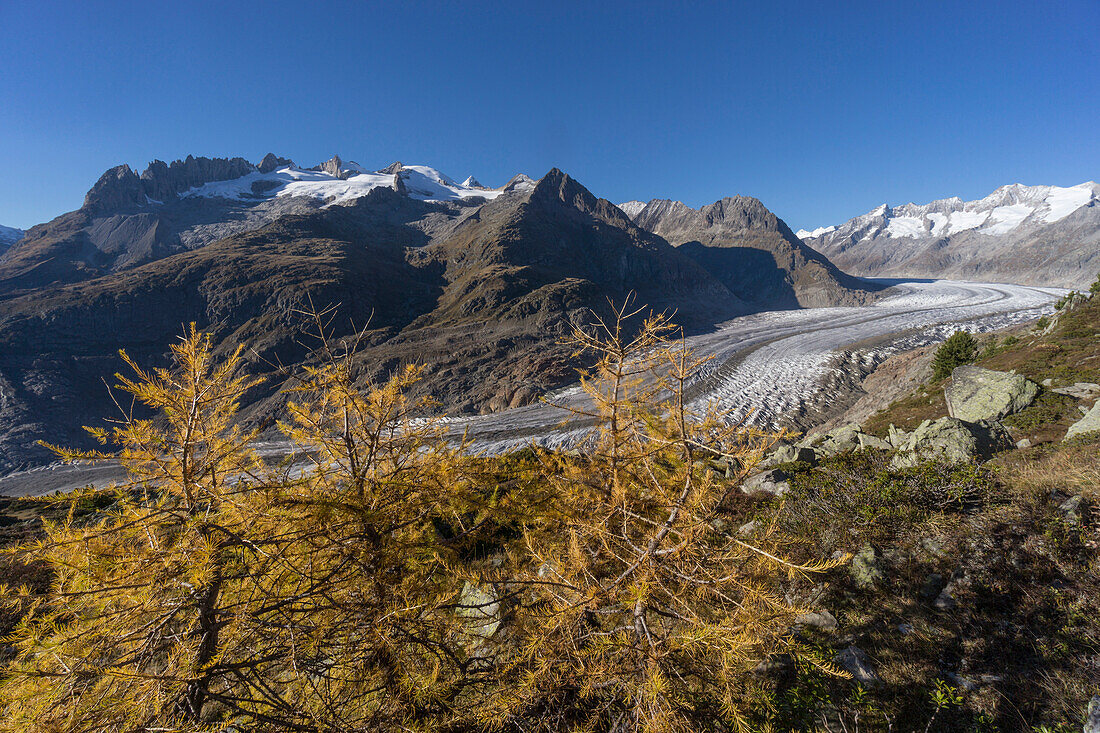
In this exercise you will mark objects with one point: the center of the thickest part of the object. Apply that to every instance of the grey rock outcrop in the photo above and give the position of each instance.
(1088, 424)
(773, 482)
(1079, 390)
(855, 661)
(119, 189)
(817, 620)
(844, 439)
(870, 442)
(481, 606)
(951, 440)
(164, 182)
(866, 568)
(787, 453)
(984, 394)
(1092, 716)
(897, 437)
(273, 162)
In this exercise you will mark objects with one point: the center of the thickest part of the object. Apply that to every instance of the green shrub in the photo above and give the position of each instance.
(960, 348)
(1095, 287)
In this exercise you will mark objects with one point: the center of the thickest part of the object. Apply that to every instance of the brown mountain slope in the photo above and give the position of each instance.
(753, 252)
(484, 307)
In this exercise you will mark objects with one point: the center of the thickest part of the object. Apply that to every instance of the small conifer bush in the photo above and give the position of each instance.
(960, 348)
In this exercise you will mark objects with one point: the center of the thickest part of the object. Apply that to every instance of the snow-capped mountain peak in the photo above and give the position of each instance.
(1001, 212)
(632, 208)
(339, 182)
(803, 234)
(1053, 228)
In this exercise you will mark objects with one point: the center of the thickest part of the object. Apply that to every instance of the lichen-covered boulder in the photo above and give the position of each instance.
(898, 438)
(1088, 424)
(951, 440)
(1092, 716)
(871, 442)
(866, 568)
(786, 453)
(482, 608)
(838, 440)
(984, 394)
(772, 482)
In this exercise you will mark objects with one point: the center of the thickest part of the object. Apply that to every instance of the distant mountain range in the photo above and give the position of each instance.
(1035, 235)
(478, 283)
(9, 236)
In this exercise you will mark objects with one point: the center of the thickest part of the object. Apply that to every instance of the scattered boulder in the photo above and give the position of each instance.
(481, 606)
(1071, 509)
(945, 601)
(1023, 443)
(952, 441)
(867, 442)
(845, 439)
(855, 662)
(1079, 390)
(787, 453)
(1092, 716)
(841, 440)
(772, 482)
(977, 394)
(818, 620)
(1087, 424)
(933, 584)
(898, 438)
(866, 568)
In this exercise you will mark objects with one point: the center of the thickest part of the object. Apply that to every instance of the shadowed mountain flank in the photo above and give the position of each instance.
(753, 252)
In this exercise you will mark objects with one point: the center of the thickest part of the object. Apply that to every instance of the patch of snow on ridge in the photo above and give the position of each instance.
(422, 182)
(1004, 219)
(803, 234)
(632, 208)
(1065, 201)
(905, 226)
(960, 221)
(939, 223)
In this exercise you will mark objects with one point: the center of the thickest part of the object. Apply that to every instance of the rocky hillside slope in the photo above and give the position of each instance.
(479, 284)
(481, 292)
(1033, 235)
(751, 250)
(970, 508)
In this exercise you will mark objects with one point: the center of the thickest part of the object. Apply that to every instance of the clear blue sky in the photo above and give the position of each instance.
(822, 110)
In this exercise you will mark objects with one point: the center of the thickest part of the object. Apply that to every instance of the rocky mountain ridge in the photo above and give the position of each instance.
(1041, 235)
(751, 251)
